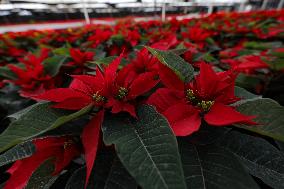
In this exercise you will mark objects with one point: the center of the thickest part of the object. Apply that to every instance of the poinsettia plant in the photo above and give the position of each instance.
(192, 103)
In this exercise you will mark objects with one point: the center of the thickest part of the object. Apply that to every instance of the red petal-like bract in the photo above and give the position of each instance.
(111, 69)
(59, 94)
(73, 103)
(221, 115)
(164, 98)
(120, 106)
(184, 107)
(169, 78)
(142, 84)
(90, 140)
(53, 148)
(184, 119)
(207, 81)
(22, 170)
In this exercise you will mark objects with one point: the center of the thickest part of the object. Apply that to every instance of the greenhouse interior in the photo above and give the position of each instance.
(141, 94)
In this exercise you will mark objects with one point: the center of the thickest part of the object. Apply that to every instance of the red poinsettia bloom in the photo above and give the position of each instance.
(279, 50)
(191, 51)
(197, 35)
(209, 97)
(163, 37)
(2, 84)
(83, 91)
(60, 150)
(16, 52)
(247, 64)
(145, 61)
(132, 36)
(32, 77)
(127, 85)
(115, 50)
(79, 57)
(107, 89)
(100, 36)
(231, 52)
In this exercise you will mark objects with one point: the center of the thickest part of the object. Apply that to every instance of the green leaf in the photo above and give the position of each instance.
(261, 158)
(207, 134)
(76, 181)
(244, 94)
(42, 176)
(117, 39)
(280, 145)
(247, 82)
(243, 52)
(178, 51)
(6, 73)
(213, 167)
(147, 148)
(118, 177)
(106, 60)
(53, 64)
(108, 173)
(262, 45)
(2, 185)
(276, 64)
(10, 99)
(274, 89)
(20, 151)
(37, 120)
(63, 51)
(20, 113)
(278, 54)
(269, 115)
(182, 68)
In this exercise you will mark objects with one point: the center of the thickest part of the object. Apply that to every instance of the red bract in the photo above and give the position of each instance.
(79, 57)
(60, 150)
(191, 51)
(90, 140)
(209, 97)
(2, 84)
(84, 89)
(126, 87)
(247, 64)
(167, 38)
(145, 61)
(132, 36)
(33, 60)
(99, 37)
(197, 34)
(115, 50)
(16, 52)
(107, 89)
(32, 77)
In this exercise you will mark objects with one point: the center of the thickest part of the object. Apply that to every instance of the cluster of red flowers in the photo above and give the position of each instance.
(136, 76)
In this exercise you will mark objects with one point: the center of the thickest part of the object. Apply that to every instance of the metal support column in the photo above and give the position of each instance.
(86, 14)
(210, 9)
(264, 4)
(280, 5)
(164, 11)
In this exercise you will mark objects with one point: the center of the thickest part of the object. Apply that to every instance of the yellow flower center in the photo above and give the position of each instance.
(67, 144)
(98, 98)
(205, 105)
(190, 95)
(122, 92)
